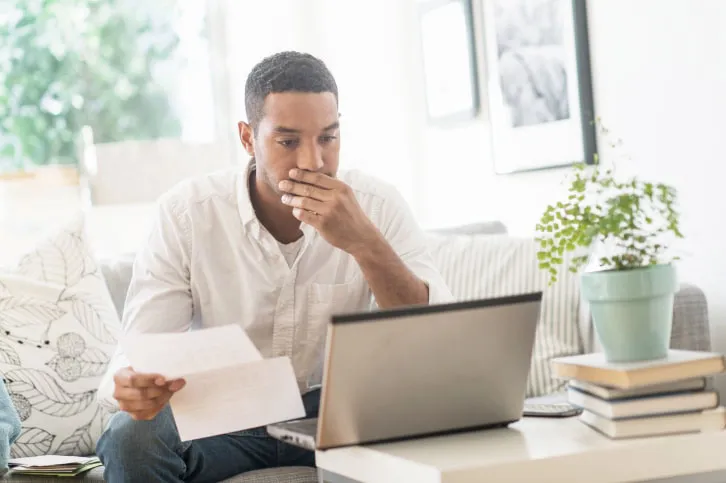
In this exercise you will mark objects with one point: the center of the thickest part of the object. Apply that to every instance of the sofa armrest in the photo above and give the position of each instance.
(691, 329)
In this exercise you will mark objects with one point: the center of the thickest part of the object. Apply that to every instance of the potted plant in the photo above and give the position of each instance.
(622, 227)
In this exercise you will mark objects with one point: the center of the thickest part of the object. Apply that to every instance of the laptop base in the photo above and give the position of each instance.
(299, 433)
(302, 433)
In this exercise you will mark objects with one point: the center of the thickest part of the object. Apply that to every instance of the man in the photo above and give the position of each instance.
(277, 249)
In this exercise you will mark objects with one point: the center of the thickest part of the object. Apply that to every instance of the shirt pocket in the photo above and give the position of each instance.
(323, 301)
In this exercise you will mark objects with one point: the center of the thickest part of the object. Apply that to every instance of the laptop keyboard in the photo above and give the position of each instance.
(304, 426)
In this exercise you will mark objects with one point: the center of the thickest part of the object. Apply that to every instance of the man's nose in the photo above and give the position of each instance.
(310, 158)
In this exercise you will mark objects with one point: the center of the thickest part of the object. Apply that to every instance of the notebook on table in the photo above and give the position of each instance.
(53, 465)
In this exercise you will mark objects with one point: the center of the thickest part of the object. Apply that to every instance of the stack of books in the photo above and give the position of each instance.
(650, 398)
(53, 465)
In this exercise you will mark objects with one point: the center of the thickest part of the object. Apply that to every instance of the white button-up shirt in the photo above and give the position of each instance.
(209, 262)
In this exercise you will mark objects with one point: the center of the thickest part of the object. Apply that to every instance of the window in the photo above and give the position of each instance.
(130, 69)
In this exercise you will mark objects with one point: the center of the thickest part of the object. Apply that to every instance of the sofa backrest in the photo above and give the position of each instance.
(487, 266)
(476, 261)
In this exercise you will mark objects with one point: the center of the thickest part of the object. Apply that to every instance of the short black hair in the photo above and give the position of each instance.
(285, 72)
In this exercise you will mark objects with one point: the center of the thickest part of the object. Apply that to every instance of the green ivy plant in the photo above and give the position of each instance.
(631, 215)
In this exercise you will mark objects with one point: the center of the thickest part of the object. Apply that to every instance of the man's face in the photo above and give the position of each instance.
(297, 130)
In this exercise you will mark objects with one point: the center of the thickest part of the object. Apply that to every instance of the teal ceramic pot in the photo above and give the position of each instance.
(632, 311)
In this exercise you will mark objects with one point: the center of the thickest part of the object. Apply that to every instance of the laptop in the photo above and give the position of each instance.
(420, 371)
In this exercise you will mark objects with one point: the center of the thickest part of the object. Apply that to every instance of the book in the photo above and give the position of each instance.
(694, 422)
(53, 465)
(676, 366)
(644, 406)
(611, 393)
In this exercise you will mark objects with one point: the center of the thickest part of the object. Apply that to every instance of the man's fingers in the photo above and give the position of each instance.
(137, 406)
(140, 381)
(149, 409)
(146, 415)
(306, 190)
(307, 204)
(142, 396)
(123, 377)
(306, 217)
(128, 378)
(134, 394)
(317, 179)
(145, 407)
(177, 385)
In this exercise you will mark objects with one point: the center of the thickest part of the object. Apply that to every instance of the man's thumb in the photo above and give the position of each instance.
(177, 385)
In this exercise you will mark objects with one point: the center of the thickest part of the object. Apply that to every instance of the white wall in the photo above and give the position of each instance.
(659, 70)
(659, 73)
(363, 45)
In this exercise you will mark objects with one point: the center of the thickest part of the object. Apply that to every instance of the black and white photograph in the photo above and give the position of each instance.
(539, 88)
(531, 55)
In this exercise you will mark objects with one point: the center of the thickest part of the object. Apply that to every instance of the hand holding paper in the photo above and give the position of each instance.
(229, 386)
(143, 396)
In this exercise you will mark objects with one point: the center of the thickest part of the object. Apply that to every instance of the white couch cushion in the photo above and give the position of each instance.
(58, 331)
(483, 266)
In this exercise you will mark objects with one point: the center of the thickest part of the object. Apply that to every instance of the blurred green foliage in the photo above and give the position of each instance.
(69, 63)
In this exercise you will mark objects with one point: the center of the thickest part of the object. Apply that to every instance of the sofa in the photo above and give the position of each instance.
(481, 260)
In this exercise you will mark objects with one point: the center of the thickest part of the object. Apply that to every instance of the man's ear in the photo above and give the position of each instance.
(247, 137)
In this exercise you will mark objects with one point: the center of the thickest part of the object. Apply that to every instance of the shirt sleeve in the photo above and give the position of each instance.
(402, 232)
(159, 297)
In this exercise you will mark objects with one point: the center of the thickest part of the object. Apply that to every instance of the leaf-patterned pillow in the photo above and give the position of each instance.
(58, 330)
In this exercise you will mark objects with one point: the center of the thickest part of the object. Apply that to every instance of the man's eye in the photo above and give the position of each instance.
(327, 139)
(288, 143)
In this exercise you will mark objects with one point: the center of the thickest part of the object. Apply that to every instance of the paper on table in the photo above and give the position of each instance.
(237, 397)
(49, 460)
(181, 354)
(229, 386)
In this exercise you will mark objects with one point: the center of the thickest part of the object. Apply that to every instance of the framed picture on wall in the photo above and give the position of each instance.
(539, 87)
(449, 63)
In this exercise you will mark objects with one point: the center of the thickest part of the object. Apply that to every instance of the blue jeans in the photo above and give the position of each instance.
(151, 451)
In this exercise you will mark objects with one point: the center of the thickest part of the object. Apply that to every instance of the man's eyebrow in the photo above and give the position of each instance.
(286, 130)
(289, 130)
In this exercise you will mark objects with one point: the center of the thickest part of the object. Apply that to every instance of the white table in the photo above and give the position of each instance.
(533, 449)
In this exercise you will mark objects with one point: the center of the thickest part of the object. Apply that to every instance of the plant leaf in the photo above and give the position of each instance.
(32, 442)
(8, 354)
(93, 362)
(93, 317)
(23, 311)
(45, 394)
(60, 260)
(78, 443)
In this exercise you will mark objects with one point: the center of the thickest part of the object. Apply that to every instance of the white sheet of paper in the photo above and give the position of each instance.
(49, 460)
(180, 354)
(237, 397)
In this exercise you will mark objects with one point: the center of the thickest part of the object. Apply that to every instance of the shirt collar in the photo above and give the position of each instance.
(244, 202)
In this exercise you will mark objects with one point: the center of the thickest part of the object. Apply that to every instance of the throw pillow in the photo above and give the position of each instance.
(58, 330)
(483, 266)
